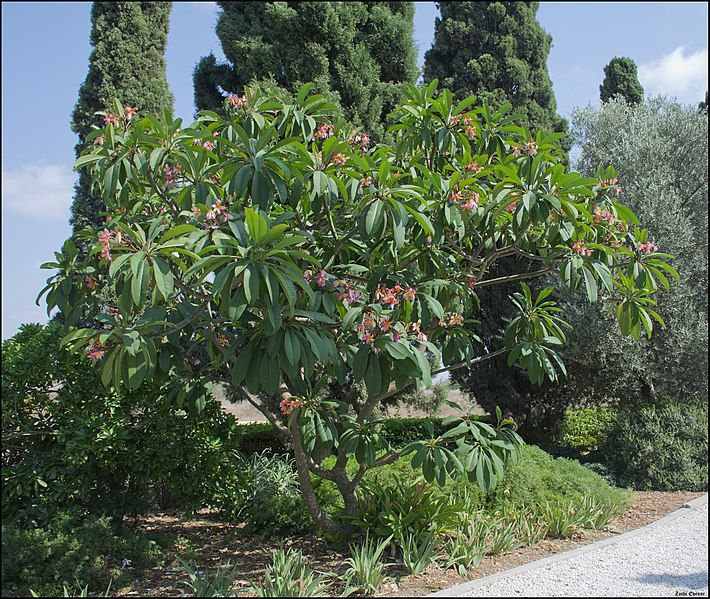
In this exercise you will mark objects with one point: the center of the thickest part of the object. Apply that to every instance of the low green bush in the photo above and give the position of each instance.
(661, 446)
(538, 478)
(72, 552)
(71, 443)
(586, 429)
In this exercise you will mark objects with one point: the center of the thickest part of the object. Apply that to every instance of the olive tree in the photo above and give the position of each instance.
(275, 250)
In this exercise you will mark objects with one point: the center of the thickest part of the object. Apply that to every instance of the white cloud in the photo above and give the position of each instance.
(678, 74)
(39, 189)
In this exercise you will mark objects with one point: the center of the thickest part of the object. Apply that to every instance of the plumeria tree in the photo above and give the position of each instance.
(278, 252)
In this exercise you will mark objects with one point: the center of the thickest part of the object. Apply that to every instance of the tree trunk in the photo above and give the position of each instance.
(304, 480)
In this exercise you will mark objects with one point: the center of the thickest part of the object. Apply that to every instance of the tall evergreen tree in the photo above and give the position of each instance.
(498, 52)
(621, 78)
(359, 51)
(127, 62)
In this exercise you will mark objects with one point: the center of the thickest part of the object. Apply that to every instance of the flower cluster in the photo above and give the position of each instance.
(603, 215)
(530, 148)
(90, 283)
(289, 405)
(236, 101)
(473, 167)
(366, 181)
(512, 207)
(95, 352)
(323, 132)
(170, 176)
(451, 321)
(390, 296)
(467, 123)
(349, 293)
(339, 158)
(99, 141)
(129, 112)
(105, 238)
(647, 247)
(611, 183)
(580, 249)
(360, 139)
(471, 199)
(207, 145)
(215, 216)
(112, 119)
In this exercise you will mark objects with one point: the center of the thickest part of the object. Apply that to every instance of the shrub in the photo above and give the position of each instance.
(275, 504)
(72, 552)
(661, 446)
(68, 441)
(585, 429)
(538, 478)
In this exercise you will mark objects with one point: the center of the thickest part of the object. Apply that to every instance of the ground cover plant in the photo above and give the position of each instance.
(275, 250)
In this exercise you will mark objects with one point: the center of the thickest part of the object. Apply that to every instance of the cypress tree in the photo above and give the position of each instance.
(356, 52)
(498, 52)
(127, 62)
(621, 78)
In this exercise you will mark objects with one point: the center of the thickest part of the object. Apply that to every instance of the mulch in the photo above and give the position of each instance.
(206, 541)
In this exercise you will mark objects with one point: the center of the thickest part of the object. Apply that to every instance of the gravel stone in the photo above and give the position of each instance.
(670, 559)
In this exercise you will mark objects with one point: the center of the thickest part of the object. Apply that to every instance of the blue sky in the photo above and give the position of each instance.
(45, 51)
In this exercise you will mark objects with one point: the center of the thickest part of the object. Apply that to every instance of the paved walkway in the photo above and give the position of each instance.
(666, 559)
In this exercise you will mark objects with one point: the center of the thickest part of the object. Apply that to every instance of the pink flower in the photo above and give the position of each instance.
(473, 166)
(289, 405)
(360, 139)
(421, 336)
(603, 215)
(339, 158)
(455, 196)
(385, 324)
(580, 249)
(105, 236)
(366, 181)
(647, 247)
(323, 131)
(111, 119)
(236, 101)
(90, 283)
(98, 141)
(515, 151)
(530, 148)
(396, 336)
(410, 294)
(208, 145)
(472, 202)
(471, 132)
(512, 207)
(322, 279)
(96, 352)
(129, 112)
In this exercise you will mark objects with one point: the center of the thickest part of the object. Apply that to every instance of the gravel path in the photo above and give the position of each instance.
(664, 560)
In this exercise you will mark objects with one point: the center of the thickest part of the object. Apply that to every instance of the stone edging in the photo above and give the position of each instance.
(456, 590)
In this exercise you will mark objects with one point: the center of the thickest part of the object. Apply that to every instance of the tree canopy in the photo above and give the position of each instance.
(357, 53)
(498, 52)
(280, 252)
(621, 78)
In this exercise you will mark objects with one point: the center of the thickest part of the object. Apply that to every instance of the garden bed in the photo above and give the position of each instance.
(205, 540)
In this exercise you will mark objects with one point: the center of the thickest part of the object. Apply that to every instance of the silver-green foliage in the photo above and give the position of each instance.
(289, 576)
(366, 570)
(660, 150)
